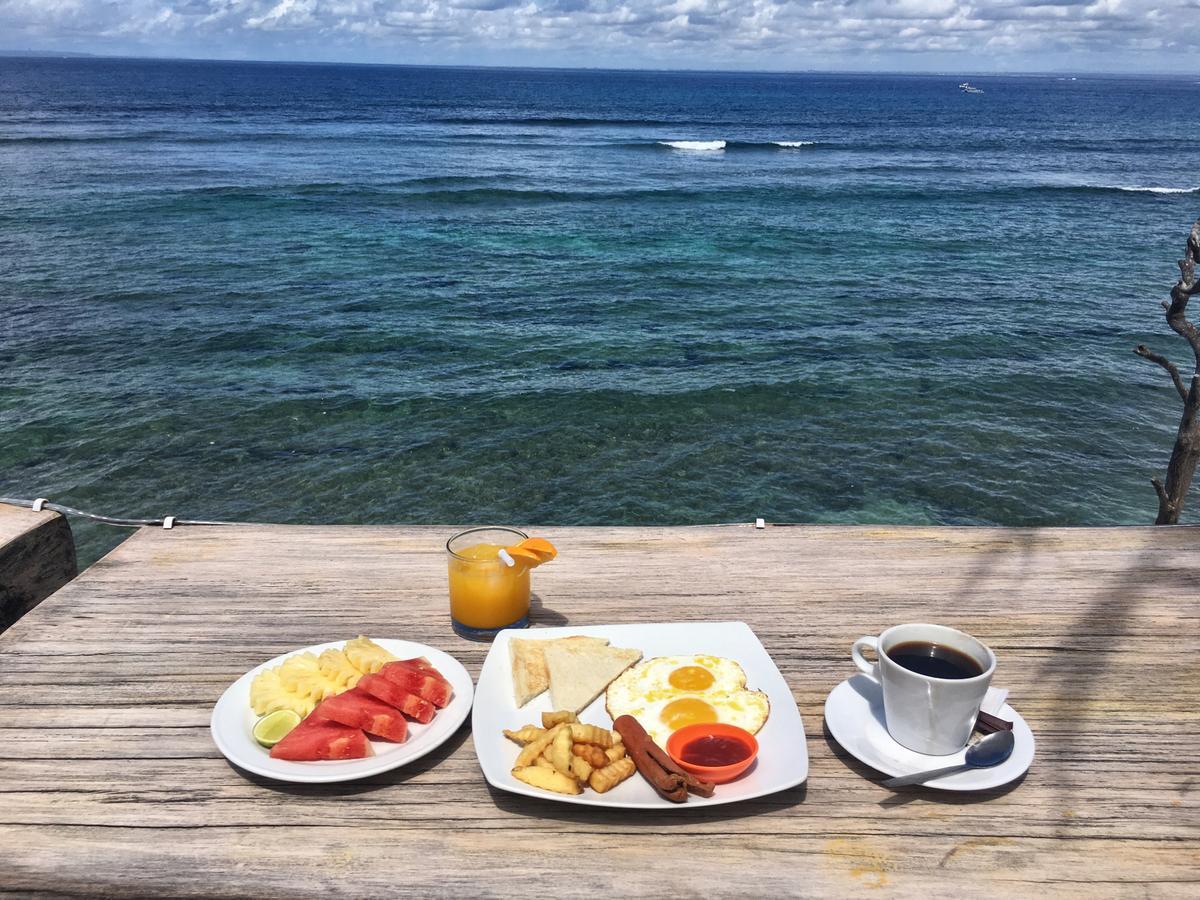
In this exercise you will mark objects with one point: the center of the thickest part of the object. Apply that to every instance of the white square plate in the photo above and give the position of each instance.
(782, 757)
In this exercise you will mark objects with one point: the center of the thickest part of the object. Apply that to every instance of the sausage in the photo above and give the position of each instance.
(694, 784)
(670, 785)
(658, 755)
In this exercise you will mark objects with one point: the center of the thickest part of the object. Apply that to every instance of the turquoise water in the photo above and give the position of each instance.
(382, 294)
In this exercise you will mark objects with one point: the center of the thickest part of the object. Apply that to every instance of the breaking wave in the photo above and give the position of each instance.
(733, 145)
(1119, 188)
(1156, 190)
(707, 146)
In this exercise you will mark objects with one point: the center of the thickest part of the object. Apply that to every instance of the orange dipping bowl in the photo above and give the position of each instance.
(703, 749)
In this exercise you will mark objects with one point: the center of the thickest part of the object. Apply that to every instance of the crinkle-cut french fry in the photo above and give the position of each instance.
(615, 752)
(547, 779)
(560, 751)
(525, 734)
(581, 769)
(591, 734)
(604, 780)
(594, 756)
(534, 748)
(550, 719)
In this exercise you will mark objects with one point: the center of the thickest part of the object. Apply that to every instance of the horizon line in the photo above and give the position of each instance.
(75, 54)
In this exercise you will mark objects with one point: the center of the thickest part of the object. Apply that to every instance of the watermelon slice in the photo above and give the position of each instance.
(421, 664)
(319, 738)
(359, 709)
(417, 682)
(390, 692)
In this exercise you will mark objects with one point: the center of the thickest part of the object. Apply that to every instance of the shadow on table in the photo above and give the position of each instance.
(903, 796)
(400, 775)
(1069, 662)
(531, 807)
(540, 614)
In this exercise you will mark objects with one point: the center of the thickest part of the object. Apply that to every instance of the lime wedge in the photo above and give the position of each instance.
(274, 727)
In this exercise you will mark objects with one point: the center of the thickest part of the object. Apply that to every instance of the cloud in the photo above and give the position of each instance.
(486, 5)
(287, 14)
(692, 33)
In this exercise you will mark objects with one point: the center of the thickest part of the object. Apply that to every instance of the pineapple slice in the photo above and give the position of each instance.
(366, 655)
(336, 666)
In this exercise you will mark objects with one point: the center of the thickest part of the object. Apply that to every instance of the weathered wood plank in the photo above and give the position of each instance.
(37, 557)
(112, 783)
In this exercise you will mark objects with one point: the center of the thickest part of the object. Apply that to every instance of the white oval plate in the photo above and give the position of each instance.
(854, 714)
(233, 722)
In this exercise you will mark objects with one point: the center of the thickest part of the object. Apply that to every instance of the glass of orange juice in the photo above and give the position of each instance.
(486, 595)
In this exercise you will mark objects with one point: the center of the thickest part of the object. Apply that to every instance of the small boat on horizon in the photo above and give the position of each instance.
(968, 88)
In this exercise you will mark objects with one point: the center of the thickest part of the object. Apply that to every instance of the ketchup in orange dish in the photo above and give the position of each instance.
(714, 750)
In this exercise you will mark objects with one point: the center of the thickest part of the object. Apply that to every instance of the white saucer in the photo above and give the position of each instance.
(854, 715)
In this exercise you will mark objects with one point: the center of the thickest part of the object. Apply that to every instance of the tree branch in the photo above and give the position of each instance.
(1185, 455)
(1177, 319)
(1160, 490)
(1182, 292)
(1146, 353)
(1164, 503)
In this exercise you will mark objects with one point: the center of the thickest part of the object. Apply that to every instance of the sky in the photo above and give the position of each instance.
(857, 35)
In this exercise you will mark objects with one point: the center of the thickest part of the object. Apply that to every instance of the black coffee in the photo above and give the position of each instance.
(934, 660)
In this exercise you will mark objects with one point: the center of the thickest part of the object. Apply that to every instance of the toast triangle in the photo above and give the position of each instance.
(579, 672)
(529, 674)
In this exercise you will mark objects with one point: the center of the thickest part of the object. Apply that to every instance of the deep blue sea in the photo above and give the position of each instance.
(322, 293)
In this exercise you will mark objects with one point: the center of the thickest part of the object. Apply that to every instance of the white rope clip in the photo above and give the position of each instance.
(39, 503)
(759, 523)
(169, 522)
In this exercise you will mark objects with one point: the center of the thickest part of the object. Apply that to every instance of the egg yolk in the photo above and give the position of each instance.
(686, 711)
(691, 678)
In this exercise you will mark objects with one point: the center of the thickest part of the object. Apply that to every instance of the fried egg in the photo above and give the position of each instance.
(668, 692)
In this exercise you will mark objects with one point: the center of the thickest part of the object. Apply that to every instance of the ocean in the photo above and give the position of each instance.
(374, 294)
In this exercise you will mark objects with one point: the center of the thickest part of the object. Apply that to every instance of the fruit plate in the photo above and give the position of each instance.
(233, 721)
(782, 757)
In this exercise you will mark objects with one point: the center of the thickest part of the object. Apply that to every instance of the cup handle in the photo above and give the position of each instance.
(868, 668)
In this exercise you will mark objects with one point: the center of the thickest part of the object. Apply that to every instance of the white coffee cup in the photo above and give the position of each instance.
(927, 714)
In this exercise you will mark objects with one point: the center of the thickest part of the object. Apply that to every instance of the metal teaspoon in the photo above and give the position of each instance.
(991, 751)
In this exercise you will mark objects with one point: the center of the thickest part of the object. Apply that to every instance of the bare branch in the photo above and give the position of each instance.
(1185, 455)
(1182, 292)
(1177, 319)
(1146, 353)
(1161, 491)
(1164, 504)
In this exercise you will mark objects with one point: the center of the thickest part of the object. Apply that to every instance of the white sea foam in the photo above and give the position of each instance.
(694, 145)
(793, 144)
(1157, 190)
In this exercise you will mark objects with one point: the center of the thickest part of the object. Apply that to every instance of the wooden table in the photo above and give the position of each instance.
(111, 782)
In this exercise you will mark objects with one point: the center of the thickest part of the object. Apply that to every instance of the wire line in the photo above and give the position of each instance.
(108, 520)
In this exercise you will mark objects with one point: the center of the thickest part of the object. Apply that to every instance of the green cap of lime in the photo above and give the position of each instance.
(274, 727)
